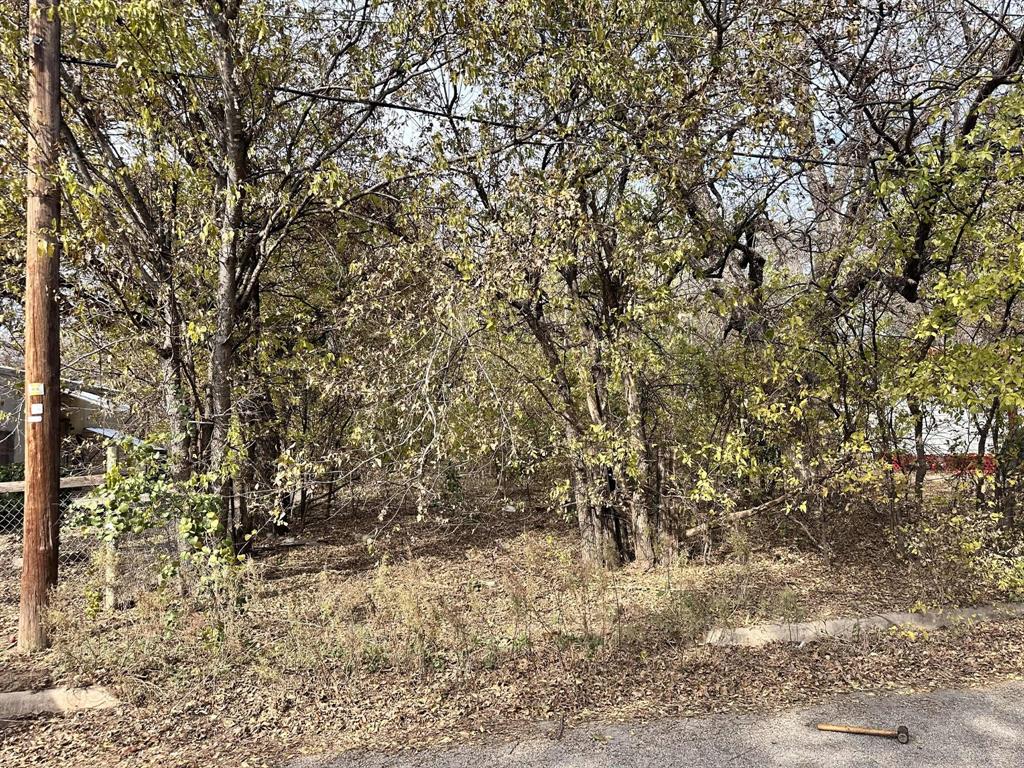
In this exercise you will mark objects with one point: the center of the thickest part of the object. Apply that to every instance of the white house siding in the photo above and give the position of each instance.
(11, 449)
(83, 413)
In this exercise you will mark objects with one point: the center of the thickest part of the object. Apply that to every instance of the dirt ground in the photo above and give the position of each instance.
(441, 632)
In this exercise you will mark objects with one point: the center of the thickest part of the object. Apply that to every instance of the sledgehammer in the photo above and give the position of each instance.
(901, 734)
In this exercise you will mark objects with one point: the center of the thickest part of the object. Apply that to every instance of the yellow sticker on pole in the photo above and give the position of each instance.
(36, 388)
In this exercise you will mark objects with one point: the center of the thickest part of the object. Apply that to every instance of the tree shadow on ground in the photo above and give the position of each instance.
(354, 538)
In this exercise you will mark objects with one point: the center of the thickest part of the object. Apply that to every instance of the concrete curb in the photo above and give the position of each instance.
(20, 703)
(809, 631)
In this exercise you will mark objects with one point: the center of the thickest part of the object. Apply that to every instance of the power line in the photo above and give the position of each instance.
(320, 96)
(454, 116)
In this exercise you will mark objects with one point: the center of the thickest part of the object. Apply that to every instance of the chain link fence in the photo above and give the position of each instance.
(118, 572)
(74, 545)
(74, 555)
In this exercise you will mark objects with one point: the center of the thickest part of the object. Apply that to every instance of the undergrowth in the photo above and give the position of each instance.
(524, 604)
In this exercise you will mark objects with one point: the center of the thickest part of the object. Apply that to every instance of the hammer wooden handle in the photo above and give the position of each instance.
(901, 734)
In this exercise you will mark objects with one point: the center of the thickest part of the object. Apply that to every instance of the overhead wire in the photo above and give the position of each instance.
(442, 115)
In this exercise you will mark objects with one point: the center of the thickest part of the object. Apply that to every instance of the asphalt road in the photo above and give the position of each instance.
(982, 727)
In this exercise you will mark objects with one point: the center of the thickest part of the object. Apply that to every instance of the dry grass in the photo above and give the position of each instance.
(446, 631)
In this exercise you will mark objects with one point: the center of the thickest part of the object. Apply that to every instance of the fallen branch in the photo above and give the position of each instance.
(732, 517)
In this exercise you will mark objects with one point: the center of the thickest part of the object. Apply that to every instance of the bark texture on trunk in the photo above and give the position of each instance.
(921, 459)
(234, 170)
(173, 384)
(646, 494)
(263, 447)
(42, 327)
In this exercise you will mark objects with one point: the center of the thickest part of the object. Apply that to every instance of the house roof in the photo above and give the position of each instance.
(97, 397)
(112, 434)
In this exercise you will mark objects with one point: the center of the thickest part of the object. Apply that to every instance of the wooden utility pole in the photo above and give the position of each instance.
(42, 325)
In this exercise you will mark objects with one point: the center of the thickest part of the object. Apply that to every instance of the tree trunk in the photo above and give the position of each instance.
(921, 462)
(612, 537)
(645, 496)
(179, 443)
(983, 434)
(172, 382)
(256, 478)
(587, 510)
(234, 177)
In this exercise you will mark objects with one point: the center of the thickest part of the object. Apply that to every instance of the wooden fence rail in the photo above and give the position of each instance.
(66, 483)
